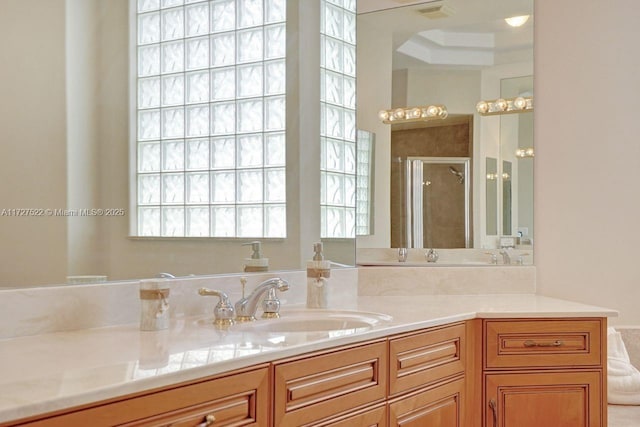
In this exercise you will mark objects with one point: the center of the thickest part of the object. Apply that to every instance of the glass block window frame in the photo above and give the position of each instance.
(364, 182)
(338, 118)
(210, 113)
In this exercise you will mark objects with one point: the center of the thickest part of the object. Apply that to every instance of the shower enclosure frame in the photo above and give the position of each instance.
(414, 180)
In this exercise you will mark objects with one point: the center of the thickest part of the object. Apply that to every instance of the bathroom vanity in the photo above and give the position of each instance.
(443, 360)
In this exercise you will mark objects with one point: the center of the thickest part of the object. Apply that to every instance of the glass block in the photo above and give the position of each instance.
(173, 188)
(173, 123)
(197, 221)
(349, 34)
(350, 157)
(349, 125)
(334, 121)
(149, 28)
(171, 3)
(223, 221)
(332, 54)
(197, 156)
(335, 189)
(349, 67)
(335, 222)
(275, 218)
(223, 49)
(333, 24)
(197, 188)
(197, 120)
(148, 61)
(336, 2)
(275, 74)
(223, 15)
(223, 153)
(275, 41)
(147, 5)
(173, 155)
(349, 92)
(275, 112)
(350, 5)
(197, 20)
(275, 151)
(250, 115)
(350, 223)
(173, 57)
(148, 156)
(149, 92)
(223, 187)
(149, 189)
(149, 221)
(223, 83)
(148, 124)
(173, 90)
(275, 185)
(350, 190)
(275, 11)
(172, 24)
(173, 222)
(334, 155)
(250, 221)
(198, 87)
(323, 187)
(250, 45)
(250, 80)
(333, 87)
(223, 118)
(250, 148)
(250, 186)
(250, 13)
(197, 53)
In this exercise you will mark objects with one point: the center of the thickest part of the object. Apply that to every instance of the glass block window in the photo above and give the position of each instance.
(364, 182)
(210, 82)
(338, 118)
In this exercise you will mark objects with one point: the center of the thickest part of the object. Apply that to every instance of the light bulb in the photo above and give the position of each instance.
(432, 111)
(529, 152)
(398, 113)
(520, 103)
(482, 107)
(519, 152)
(517, 21)
(415, 113)
(383, 115)
(501, 104)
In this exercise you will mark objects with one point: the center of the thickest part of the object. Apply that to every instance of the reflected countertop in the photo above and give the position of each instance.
(44, 373)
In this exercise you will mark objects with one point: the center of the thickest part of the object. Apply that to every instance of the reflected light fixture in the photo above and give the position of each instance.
(413, 114)
(517, 21)
(519, 104)
(524, 152)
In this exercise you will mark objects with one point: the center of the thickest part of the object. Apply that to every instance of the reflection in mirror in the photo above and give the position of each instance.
(406, 59)
(506, 198)
(492, 196)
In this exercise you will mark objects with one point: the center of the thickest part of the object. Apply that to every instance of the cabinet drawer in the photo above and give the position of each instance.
(374, 417)
(424, 358)
(439, 406)
(328, 384)
(543, 343)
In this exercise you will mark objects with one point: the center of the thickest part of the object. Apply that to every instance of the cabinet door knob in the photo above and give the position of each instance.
(208, 421)
(494, 409)
(531, 343)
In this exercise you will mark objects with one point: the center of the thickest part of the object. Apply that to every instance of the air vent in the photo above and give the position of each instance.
(437, 11)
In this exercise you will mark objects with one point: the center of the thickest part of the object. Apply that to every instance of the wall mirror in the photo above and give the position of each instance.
(455, 53)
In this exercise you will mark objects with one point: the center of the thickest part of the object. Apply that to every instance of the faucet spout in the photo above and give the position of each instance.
(246, 308)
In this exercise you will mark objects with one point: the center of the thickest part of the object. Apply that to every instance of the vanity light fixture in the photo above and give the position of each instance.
(492, 176)
(519, 104)
(517, 21)
(525, 152)
(413, 114)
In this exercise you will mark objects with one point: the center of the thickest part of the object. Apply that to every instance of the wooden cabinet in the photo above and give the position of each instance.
(545, 373)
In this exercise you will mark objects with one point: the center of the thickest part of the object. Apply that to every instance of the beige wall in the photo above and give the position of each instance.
(587, 202)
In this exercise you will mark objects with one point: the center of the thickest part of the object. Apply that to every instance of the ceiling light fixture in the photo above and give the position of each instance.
(519, 104)
(413, 114)
(517, 21)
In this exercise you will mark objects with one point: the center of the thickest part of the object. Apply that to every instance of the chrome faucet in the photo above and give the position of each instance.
(246, 308)
(223, 311)
(506, 258)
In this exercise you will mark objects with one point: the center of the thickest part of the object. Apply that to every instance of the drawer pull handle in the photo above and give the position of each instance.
(494, 408)
(208, 421)
(530, 343)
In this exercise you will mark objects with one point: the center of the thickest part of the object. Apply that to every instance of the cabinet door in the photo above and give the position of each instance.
(375, 417)
(558, 399)
(436, 407)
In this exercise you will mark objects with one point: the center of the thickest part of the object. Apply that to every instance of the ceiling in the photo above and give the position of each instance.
(474, 36)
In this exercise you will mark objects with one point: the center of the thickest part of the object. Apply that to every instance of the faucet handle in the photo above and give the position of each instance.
(271, 305)
(494, 257)
(223, 311)
(520, 260)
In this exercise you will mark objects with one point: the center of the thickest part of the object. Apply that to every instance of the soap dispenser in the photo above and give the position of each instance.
(256, 262)
(318, 274)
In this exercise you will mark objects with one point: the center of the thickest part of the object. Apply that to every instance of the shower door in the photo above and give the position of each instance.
(437, 202)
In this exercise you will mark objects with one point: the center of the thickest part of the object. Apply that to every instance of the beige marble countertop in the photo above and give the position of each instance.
(53, 371)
